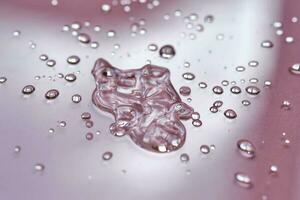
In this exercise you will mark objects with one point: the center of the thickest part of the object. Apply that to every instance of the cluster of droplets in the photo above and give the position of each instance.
(138, 28)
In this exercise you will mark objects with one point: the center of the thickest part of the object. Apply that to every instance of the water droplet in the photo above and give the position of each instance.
(286, 105)
(243, 180)
(240, 68)
(84, 38)
(89, 123)
(51, 130)
(76, 98)
(220, 36)
(70, 77)
(86, 115)
(184, 158)
(39, 167)
(188, 76)
(289, 39)
(235, 90)
(43, 57)
(209, 19)
(195, 115)
(177, 13)
(246, 148)
(167, 51)
(94, 45)
(76, 25)
(204, 149)
(217, 90)
(16, 33)
(213, 109)
(253, 63)
(51, 94)
(267, 44)
(185, 91)
(51, 63)
(199, 28)
(279, 32)
(54, 2)
(230, 114)
(218, 103)
(107, 155)
(3, 79)
(17, 149)
(197, 122)
(73, 60)
(152, 47)
(252, 90)
(106, 8)
(277, 24)
(267, 83)
(273, 170)
(28, 89)
(66, 28)
(246, 102)
(89, 136)
(202, 85)
(225, 83)
(295, 69)
(111, 33)
(62, 124)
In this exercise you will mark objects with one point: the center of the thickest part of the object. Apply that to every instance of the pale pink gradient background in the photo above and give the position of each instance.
(74, 169)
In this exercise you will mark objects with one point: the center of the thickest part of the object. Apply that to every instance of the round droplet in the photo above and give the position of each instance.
(253, 63)
(111, 33)
(199, 28)
(76, 98)
(73, 60)
(235, 90)
(202, 85)
(17, 149)
(185, 91)
(28, 89)
(195, 115)
(268, 83)
(273, 170)
(252, 90)
(62, 124)
(51, 130)
(217, 90)
(89, 136)
(230, 114)
(184, 158)
(188, 76)
(243, 180)
(225, 83)
(3, 79)
(167, 52)
(86, 115)
(295, 69)
(267, 44)
(76, 25)
(204, 149)
(152, 47)
(240, 68)
(246, 102)
(66, 28)
(209, 19)
(213, 109)
(107, 155)
(16, 33)
(70, 77)
(105, 8)
(197, 122)
(50, 63)
(89, 123)
(289, 39)
(43, 57)
(84, 38)
(94, 45)
(51, 94)
(39, 167)
(246, 148)
(218, 104)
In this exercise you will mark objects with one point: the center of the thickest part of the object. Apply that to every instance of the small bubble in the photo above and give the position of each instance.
(76, 98)
(70, 77)
(73, 60)
(204, 149)
(230, 114)
(51, 63)
(246, 148)
(107, 155)
(252, 90)
(39, 167)
(89, 136)
(86, 115)
(51, 94)
(235, 90)
(185, 91)
(43, 57)
(217, 90)
(184, 158)
(167, 51)
(267, 44)
(243, 180)
(28, 89)
(188, 76)
(152, 47)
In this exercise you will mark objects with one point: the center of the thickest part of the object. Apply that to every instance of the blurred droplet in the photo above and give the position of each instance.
(243, 180)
